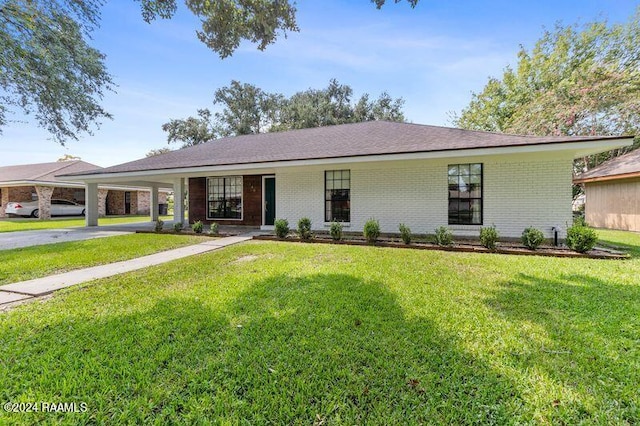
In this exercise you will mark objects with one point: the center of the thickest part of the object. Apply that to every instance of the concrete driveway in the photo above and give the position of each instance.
(18, 239)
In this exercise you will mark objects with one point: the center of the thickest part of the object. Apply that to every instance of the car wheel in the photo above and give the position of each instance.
(35, 213)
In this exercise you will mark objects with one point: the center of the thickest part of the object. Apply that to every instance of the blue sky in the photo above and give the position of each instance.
(433, 56)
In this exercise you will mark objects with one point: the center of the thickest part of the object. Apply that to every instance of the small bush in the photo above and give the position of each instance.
(281, 227)
(336, 231)
(489, 237)
(213, 228)
(177, 226)
(581, 238)
(304, 228)
(532, 238)
(159, 225)
(371, 231)
(197, 227)
(579, 220)
(405, 233)
(444, 236)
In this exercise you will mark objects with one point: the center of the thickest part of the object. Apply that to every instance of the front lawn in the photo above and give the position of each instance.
(39, 261)
(288, 333)
(23, 224)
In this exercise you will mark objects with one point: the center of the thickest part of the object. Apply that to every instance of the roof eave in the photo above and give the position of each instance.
(619, 176)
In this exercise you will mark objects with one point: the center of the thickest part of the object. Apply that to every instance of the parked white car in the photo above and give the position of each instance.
(58, 208)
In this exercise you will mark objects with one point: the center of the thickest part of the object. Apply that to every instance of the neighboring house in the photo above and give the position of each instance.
(612, 193)
(422, 176)
(30, 182)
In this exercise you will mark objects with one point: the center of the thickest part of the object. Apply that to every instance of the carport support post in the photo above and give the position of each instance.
(91, 204)
(44, 201)
(154, 204)
(178, 200)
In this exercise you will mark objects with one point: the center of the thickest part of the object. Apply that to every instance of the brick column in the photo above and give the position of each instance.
(4, 200)
(44, 201)
(102, 202)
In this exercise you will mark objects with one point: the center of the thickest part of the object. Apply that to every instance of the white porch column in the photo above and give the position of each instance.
(91, 204)
(178, 200)
(44, 201)
(154, 204)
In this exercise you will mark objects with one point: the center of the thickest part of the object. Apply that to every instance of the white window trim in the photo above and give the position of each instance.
(216, 219)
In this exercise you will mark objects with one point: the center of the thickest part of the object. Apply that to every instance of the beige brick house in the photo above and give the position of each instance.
(30, 182)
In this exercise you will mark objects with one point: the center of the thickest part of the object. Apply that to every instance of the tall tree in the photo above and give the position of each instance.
(47, 67)
(577, 80)
(247, 109)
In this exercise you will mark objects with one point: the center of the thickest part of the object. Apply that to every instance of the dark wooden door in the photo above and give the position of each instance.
(127, 202)
(269, 200)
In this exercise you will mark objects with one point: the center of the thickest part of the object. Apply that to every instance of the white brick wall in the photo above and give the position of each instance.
(519, 191)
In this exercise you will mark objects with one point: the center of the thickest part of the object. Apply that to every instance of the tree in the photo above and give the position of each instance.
(191, 131)
(68, 157)
(47, 68)
(575, 81)
(158, 151)
(247, 109)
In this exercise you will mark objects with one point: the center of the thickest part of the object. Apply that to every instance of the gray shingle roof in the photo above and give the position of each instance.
(43, 172)
(622, 165)
(347, 140)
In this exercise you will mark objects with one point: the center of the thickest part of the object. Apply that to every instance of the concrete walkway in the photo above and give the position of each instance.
(23, 290)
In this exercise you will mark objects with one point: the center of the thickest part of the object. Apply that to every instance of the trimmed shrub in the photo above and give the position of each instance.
(532, 238)
(405, 233)
(444, 236)
(371, 230)
(304, 228)
(213, 228)
(197, 227)
(282, 228)
(159, 225)
(177, 226)
(581, 238)
(489, 237)
(336, 231)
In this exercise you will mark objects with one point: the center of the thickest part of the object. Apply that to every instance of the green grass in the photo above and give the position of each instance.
(23, 224)
(623, 240)
(284, 333)
(39, 261)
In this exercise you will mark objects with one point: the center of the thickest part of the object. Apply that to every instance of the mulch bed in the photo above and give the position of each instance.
(463, 246)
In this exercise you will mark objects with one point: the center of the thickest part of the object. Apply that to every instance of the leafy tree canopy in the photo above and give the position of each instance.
(158, 151)
(48, 68)
(577, 80)
(247, 109)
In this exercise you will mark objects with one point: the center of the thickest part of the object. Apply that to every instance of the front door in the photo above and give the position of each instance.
(127, 202)
(269, 200)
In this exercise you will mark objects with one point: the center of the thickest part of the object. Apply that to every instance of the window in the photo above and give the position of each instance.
(337, 189)
(225, 197)
(465, 194)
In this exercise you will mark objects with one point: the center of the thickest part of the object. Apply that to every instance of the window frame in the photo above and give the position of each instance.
(327, 200)
(208, 193)
(480, 199)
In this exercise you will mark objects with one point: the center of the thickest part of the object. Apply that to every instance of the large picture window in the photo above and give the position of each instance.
(225, 197)
(465, 194)
(337, 198)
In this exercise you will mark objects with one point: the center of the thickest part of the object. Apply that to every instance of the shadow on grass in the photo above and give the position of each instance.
(320, 348)
(590, 343)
